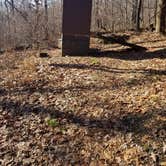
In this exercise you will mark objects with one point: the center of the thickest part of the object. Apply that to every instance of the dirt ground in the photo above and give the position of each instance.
(107, 108)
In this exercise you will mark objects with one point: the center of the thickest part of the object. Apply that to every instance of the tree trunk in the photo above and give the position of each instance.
(138, 15)
(161, 17)
(46, 18)
(134, 11)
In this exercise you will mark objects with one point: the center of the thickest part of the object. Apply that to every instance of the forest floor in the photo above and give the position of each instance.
(108, 108)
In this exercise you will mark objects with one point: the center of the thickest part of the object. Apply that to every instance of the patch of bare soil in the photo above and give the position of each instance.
(108, 108)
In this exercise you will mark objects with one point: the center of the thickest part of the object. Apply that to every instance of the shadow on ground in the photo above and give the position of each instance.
(128, 122)
(129, 54)
(96, 128)
(108, 69)
(132, 52)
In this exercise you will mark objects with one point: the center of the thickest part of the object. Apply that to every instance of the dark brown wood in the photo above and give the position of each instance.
(76, 27)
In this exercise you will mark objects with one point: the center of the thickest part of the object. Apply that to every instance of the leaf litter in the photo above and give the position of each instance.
(83, 110)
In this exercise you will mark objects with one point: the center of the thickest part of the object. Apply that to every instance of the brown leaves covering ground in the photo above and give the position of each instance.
(109, 110)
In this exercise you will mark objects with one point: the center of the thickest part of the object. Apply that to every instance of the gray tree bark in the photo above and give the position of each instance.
(161, 17)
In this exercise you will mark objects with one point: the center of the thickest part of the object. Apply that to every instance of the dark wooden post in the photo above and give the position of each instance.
(76, 27)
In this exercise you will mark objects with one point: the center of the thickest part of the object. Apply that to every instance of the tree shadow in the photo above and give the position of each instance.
(129, 55)
(121, 122)
(124, 123)
(107, 69)
(132, 52)
(151, 41)
(56, 90)
(122, 40)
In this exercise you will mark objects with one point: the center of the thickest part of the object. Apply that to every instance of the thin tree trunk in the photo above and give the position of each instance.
(161, 17)
(138, 15)
(134, 11)
(46, 18)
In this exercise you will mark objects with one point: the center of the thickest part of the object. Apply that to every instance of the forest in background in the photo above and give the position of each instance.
(106, 108)
(34, 23)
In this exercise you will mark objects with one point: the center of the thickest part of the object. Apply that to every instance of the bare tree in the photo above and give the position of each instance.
(46, 18)
(161, 17)
(138, 13)
(38, 22)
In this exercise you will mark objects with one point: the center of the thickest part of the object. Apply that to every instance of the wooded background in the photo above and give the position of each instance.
(34, 23)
